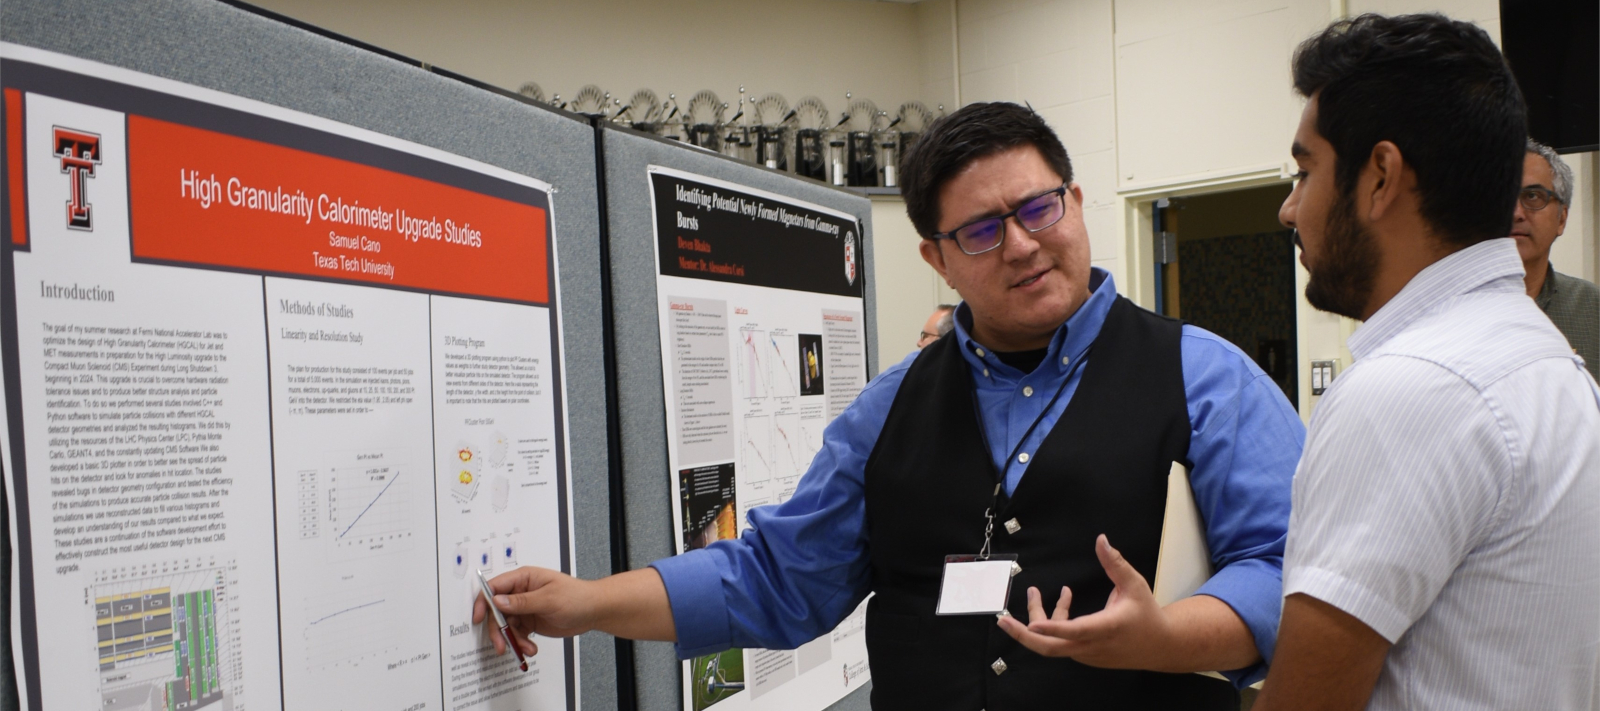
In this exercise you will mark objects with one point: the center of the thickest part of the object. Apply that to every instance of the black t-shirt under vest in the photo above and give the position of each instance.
(1102, 469)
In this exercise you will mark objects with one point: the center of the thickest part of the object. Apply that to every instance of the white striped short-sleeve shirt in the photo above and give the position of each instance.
(1449, 495)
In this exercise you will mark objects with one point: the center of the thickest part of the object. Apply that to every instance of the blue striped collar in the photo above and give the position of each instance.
(1491, 265)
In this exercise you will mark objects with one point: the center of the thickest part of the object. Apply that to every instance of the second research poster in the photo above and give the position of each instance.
(763, 343)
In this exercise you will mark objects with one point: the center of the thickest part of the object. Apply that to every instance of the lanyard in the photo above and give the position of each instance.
(988, 514)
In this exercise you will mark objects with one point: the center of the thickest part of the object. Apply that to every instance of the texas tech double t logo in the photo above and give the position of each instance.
(79, 152)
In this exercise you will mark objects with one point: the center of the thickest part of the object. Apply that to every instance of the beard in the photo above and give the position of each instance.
(1342, 280)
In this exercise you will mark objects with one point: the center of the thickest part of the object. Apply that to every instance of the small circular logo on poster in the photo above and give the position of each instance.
(850, 257)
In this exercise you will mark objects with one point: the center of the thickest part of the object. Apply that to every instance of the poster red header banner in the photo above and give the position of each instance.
(207, 198)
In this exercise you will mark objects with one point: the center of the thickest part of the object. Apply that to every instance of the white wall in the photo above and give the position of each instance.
(908, 288)
(1056, 55)
(1203, 88)
(1577, 251)
(820, 47)
(936, 22)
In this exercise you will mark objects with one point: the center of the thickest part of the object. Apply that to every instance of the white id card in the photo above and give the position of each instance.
(975, 587)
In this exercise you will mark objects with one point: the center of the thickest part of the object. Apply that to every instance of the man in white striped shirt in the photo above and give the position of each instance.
(1444, 541)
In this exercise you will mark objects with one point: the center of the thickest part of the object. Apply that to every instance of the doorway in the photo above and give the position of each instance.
(1226, 265)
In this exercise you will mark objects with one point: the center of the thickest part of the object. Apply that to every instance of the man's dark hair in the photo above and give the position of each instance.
(973, 132)
(1439, 90)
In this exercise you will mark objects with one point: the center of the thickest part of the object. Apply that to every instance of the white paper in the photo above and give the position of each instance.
(242, 484)
(1184, 561)
(754, 372)
(973, 587)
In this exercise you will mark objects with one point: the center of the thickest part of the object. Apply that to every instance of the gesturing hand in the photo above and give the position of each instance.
(1132, 632)
(536, 600)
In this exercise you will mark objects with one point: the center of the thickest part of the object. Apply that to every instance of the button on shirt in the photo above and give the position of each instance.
(802, 566)
(1450, 495)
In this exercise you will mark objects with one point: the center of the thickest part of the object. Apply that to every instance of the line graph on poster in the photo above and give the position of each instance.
(792, 447)
(369, 509)
(754, 363)
(776, 450)
(783, 370)
(771, 364)
(356, 626)
(756, 466)
(167, 635)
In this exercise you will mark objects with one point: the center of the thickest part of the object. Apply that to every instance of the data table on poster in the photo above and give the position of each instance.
(276, 389)
(763, 343)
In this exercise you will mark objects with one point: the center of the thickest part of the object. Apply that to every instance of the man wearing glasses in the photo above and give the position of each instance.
(1043, 432)
(1571, 303)
(940, 322)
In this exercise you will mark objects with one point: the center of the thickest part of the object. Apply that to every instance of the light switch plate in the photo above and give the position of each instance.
(1322, 374)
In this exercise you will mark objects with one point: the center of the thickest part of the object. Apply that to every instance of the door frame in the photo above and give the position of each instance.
(1318, 335)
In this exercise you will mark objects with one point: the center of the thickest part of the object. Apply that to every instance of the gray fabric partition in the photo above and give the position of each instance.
(648, 499)
(213, 45)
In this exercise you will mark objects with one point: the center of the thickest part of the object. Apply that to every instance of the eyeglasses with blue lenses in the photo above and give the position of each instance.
(1034, 214)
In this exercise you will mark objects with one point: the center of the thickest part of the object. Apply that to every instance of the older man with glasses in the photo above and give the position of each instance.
(1039, 435)
(1572, 304)
(940, 322)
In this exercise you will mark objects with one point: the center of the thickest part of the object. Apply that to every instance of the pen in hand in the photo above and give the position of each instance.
(500, 620)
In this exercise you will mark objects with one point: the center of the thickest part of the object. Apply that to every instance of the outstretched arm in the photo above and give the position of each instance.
(800, 568)
(535, 600)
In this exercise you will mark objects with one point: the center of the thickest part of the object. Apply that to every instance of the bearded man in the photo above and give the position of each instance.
(1444, 545)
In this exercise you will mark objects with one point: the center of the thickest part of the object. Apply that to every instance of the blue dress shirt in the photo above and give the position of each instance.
(802, 566)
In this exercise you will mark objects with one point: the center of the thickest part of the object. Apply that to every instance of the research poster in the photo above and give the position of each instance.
(763, 343)
(276, 388)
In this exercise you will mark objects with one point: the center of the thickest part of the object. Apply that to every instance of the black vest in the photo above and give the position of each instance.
(1102, 469)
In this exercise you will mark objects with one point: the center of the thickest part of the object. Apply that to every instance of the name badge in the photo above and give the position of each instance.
(975, 587)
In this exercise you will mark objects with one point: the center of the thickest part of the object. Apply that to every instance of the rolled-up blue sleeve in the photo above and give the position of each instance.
(694, 589)
(1244, 446)
(801, 566)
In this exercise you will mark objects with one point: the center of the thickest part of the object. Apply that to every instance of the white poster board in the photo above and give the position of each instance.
(276, 386)
(763, 343)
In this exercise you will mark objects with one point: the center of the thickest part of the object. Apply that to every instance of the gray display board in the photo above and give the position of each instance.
(216, 46)
(648, 493)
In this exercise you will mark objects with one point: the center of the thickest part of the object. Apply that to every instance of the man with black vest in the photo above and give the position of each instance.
(1041, 431)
